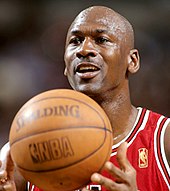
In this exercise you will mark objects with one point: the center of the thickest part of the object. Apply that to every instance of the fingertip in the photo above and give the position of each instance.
(123, 145)
(108, 165)
(3, 174)
(95, 177)
(84, 189)
(122, 150)
(8, 187)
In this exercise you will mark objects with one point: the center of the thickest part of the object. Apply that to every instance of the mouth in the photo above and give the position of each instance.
(87, 70)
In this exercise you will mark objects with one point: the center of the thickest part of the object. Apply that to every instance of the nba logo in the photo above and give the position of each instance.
(143, 158)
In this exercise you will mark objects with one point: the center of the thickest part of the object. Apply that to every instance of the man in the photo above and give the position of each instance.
(99, 57)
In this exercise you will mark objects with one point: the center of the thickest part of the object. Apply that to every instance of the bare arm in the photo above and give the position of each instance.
(10, 178)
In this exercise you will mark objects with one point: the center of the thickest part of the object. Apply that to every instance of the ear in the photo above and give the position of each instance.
(133, 61)
(65, 71)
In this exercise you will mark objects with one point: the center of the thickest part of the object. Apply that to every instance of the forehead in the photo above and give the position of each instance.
(98, 20)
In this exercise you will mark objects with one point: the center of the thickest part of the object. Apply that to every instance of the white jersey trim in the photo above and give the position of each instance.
(28, 187)
(141, 128)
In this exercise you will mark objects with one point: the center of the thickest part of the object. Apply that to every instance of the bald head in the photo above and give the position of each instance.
(99, 51)
(113, 21)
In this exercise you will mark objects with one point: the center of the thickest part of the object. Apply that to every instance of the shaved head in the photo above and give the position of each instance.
(111, 19)
(102, 39)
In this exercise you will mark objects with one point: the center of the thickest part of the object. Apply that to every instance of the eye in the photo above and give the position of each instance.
(76, 40)
(102, 40)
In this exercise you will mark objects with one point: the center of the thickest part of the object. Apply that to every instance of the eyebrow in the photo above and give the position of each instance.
(76, 32)
(101, 31)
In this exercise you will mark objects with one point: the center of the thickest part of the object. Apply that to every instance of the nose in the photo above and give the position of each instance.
(87, 49)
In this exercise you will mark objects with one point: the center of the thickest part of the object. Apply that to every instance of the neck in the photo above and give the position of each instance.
(121, 113)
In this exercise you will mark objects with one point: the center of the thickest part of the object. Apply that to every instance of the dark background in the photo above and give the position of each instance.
(32, 37)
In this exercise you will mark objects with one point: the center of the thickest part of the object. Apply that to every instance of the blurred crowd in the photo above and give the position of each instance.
(32, 37)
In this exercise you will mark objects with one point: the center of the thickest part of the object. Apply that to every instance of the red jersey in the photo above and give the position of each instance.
(145, 153)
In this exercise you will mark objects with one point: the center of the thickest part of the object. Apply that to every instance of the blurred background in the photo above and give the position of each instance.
(32, 37)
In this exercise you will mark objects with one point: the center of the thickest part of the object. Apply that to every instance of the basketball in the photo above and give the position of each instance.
(59, 138)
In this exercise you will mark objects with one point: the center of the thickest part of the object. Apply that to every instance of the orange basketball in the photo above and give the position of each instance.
(59, 138)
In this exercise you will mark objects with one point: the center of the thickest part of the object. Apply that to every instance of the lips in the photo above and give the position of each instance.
(87, 70)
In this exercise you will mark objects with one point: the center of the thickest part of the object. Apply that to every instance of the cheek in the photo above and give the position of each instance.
(67, 56)
(69, 53)
(115, 67)
(112, 54)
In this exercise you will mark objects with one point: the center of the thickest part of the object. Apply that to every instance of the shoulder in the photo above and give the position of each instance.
(156, 121)
(159, 127)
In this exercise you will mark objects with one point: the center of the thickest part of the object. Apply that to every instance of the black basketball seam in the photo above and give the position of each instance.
(79, 101)
(72, 164)
(60, 97)
(56, 129)
(54, 97)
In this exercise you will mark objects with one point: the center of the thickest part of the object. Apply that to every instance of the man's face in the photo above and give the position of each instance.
(95, 55)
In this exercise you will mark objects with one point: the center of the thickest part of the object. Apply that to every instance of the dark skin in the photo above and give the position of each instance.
(97, 44)
(99, 57)
(91, 42)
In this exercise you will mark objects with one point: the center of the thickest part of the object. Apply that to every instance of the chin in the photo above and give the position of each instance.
(89, 91)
